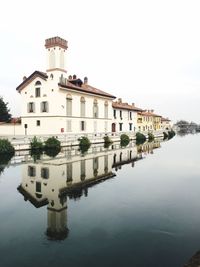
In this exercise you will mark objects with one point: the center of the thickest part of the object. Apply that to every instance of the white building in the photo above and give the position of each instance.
(124, 117)
(53, 103)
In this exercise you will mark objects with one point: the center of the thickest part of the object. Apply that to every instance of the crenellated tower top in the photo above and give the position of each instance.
(56, 48)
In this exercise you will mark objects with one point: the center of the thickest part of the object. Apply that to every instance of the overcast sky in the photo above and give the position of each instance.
(145, 51)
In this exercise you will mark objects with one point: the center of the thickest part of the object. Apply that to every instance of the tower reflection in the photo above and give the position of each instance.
(51, 181)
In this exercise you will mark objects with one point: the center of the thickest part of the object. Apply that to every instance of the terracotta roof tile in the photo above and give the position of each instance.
(86, 88)
(165, 119)
(125, 106)
(147, 113)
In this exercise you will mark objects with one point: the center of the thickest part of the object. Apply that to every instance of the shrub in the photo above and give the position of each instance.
(165, 135)
(36, 144)
(150, 137)
(84, 144)
(124, 140)
(171, 134)
(6, 147)
(4, 159)
(52, 152)
(140, 138)
(52, 143)
(107, 141)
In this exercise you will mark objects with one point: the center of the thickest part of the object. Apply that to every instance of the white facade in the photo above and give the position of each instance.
(54, 104)
(124, 117)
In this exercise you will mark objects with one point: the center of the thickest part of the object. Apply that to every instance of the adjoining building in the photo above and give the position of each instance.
(124, 117)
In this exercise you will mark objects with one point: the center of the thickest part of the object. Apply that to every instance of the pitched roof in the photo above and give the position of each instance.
(148, 113)
(165, 119)
(86, 88)
(125, 106)
(36, 73)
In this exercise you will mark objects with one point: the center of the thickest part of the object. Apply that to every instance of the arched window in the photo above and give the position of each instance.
(52, 60)
(38, 83)
(82, 107)
(37, 89)
(106, 110)
(95, 109)
(69, 105)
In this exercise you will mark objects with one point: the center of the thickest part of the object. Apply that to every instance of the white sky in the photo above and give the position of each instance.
(145, 51)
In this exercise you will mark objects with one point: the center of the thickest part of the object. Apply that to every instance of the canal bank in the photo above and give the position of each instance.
(23, 142)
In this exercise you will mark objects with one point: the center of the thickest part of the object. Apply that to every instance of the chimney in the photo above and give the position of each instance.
(133, 104)
(70, 77)
(24, 78)
(119, 100)
(85, 80)
(74, 77)
(152, 110)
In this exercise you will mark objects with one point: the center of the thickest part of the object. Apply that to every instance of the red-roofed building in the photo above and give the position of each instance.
(124, 117)
(54, 103)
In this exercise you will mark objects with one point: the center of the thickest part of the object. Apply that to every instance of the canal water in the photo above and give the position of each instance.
(131, 206)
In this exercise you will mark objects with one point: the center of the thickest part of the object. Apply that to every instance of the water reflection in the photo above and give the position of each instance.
(50, 181)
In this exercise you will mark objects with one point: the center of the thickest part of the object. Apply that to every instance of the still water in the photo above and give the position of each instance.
(133, 206)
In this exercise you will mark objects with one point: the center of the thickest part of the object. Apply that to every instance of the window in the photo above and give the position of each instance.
(95, 165)
(69, 126)
(130, 115)
(37, 123)
(82, 107)
(130, 126)
(38, 83)
(105, 126)
(95, 126)
(31, 171)
(106, 163)
(44, 106)
(114, 113)
(120, 114)
(52, 59)
(95, 109)
(82, 125)
(45, 173)
(106, 110)
(31, 107)
(83, 175)
(38, 187)
(120, 156)
(37, 92)
(69, 172)
(69, 105)
(120, 126)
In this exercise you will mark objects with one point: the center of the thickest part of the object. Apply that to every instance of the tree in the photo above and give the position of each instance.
(4, 111)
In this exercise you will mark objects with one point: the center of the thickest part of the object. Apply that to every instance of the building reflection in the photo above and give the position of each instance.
(50, 182)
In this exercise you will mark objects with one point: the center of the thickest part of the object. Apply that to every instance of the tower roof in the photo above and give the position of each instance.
(56, 41)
